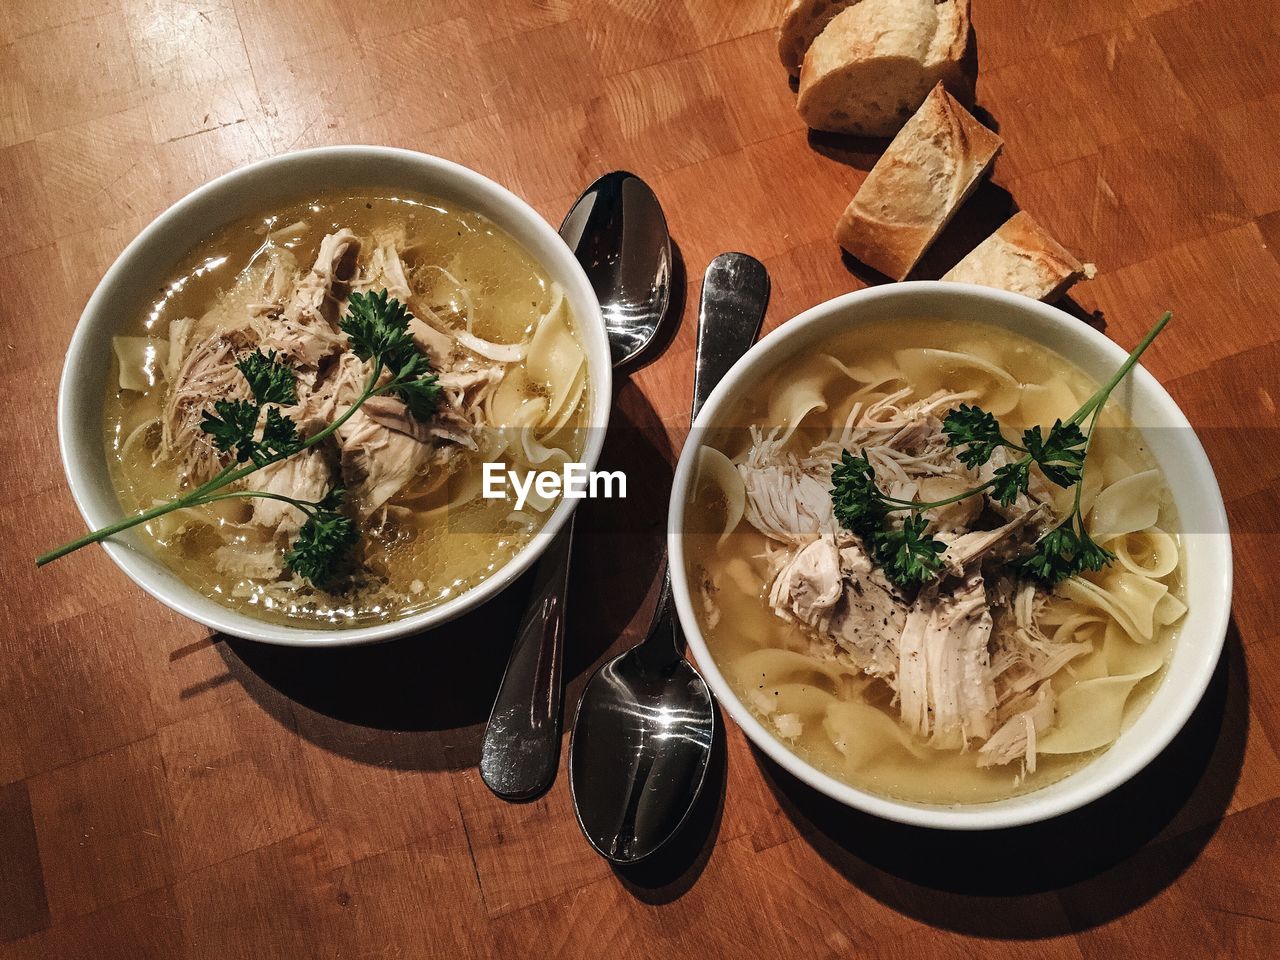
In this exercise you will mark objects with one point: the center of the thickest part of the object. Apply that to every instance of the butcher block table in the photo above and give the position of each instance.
(169, 793)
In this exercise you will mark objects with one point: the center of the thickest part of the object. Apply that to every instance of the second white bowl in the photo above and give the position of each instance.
(1170, 439)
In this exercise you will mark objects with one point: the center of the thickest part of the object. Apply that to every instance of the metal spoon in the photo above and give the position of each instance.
(640, 744)
(619, 234)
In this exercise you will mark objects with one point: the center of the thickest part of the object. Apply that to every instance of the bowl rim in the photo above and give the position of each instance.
(556, 259)
(1076, 789)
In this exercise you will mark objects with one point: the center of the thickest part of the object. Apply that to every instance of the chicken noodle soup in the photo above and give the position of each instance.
(982, 683)
(496, 330)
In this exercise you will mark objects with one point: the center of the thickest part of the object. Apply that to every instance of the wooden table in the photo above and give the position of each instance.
(172, 794)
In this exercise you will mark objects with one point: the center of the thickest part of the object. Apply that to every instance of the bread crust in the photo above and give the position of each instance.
(1023, 258)
(802, 22)
(876, 60)
(915, 188)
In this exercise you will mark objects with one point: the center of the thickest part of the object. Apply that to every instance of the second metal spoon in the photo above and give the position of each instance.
(642, 738)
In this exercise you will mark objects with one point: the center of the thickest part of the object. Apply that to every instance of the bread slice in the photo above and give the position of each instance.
(915, 188)
(877, 60)
(1022, 258)
(801, 24)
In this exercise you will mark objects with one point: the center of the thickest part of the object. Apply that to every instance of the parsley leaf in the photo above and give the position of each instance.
(908, 556)
(378, 328)
(1063, 552)
(279, 438)
(419, 389)
(269, 379)
(1050, 561)
(333, 499)
(1009, 481)
(974, 429)
(855, 498)
(323, 542)
(1060, 456)
(231, 426)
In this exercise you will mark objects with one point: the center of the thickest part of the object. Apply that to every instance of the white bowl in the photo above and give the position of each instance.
(1187, 470)
(143, 266)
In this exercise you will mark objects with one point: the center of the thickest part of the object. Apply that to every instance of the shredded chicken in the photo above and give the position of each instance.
(870, 617)
(1016, 738)
(207, 373)
(436, 345)
(304, 477)
(783, 500)
(809, 584)
(965, 549)
(944, 684)
(378, 461)
(306, 331)
(394, 415)
(385, 271)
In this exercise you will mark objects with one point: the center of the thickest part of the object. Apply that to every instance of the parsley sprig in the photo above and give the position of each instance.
(377, 328)
(910, 557)
(324, 540)
(907, 555)
(976, 435)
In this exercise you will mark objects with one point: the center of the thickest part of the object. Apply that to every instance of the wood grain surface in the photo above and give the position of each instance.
(167, 793)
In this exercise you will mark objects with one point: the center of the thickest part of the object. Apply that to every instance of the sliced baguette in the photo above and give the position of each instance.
(915, 188)
(877, 60)
(801, 24)
(1022, 258)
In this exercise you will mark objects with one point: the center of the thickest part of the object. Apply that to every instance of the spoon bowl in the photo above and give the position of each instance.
(639, 751)
(618, 232)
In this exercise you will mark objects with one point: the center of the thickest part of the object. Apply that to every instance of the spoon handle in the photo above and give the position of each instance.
(662, 648)
(735, 293)
(522, 741)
